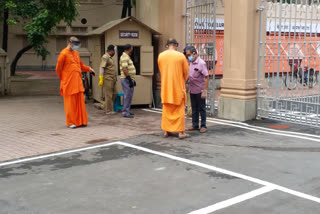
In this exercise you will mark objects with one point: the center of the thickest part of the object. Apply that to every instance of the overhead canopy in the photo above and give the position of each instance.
(114, 23)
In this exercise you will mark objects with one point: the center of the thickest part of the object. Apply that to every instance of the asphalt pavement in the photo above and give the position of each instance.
(233, 168)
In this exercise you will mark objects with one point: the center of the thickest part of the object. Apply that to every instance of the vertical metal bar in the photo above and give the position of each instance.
(304, 52)
(315, 63)
(289, 43)
(275, 33)
(294, 43)
(204, 45)
(318, 48)
(212, 95)
(278, 57)
(261, 9)
(309, 55)
(268, 93)
(187, 22)
(285, 61)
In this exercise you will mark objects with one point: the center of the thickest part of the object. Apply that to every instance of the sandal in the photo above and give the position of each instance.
(203, 130)
(110, 113)
(193, 129)
(184, 136)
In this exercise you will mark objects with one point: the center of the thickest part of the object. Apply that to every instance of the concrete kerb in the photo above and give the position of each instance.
(242, 125)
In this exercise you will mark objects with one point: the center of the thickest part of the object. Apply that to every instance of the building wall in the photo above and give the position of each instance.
(165, 16)
(96, 13)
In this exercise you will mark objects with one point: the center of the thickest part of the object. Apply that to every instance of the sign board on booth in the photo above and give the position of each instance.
(128, 34)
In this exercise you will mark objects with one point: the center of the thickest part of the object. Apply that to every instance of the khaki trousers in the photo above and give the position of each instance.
(189, 108)
(110, 94)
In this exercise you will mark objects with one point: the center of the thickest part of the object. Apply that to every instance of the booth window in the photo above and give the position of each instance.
(135, 57)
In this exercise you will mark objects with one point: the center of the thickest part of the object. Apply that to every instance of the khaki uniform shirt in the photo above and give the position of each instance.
(109, 67)
(126, 62)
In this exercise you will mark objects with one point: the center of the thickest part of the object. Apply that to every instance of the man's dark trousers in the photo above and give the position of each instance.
(198, 106)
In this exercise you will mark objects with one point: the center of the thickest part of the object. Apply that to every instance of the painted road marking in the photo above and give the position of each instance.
(233, 201)
(54, 154)
(258, 129)
(227, 172)
(266, 184)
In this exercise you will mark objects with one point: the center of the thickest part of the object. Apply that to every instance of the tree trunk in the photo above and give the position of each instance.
(5, 31)
(16, 59)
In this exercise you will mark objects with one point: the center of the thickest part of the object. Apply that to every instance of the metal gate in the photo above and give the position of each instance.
(289, 61)
(201, 33)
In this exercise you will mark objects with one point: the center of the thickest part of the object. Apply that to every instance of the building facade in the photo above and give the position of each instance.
(165, 16)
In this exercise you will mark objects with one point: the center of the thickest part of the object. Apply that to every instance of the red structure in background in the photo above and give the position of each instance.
(202, 39)
(278, 52)
(275, 52)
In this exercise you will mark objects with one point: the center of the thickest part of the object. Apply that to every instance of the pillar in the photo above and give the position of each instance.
(238, 96)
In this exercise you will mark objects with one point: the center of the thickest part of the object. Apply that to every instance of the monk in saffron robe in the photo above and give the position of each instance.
(69, 69)
(174, 69)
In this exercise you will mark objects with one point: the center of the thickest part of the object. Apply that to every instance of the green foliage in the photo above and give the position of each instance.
(10, 4)
(39, 18)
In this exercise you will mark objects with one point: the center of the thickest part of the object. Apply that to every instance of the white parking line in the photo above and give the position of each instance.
(258, 129)
(227, 172)
(233, 201)
(54, 154)
(267, 185)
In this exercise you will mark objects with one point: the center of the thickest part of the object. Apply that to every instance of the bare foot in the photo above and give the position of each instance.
(166, 134)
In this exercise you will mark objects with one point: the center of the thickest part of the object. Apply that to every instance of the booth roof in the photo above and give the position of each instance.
(114, 23)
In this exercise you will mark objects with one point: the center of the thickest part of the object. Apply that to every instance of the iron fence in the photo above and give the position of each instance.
(201, 33)
(289, 87)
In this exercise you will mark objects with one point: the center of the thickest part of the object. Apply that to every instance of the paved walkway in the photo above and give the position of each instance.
(36, 125)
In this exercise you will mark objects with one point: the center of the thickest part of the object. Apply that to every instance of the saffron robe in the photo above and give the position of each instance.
(68, 69)
(174, 73)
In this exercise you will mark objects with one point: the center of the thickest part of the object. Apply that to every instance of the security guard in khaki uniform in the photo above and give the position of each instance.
(108, 78)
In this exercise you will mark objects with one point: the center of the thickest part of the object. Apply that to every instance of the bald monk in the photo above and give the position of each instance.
(69, 69)
(174, 69)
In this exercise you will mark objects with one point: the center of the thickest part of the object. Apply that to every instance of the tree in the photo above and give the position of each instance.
(4, 17)
(39, 18)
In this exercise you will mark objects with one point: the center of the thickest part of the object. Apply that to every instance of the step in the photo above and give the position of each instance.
(33, 84)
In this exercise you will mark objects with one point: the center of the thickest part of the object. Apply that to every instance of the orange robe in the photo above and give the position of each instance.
(69, 69)
(174, 70)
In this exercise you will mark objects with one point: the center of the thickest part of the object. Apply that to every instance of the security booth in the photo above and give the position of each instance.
(120, 32)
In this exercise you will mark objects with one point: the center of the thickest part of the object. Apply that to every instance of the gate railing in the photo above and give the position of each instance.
(289, 88)
(201, 33)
